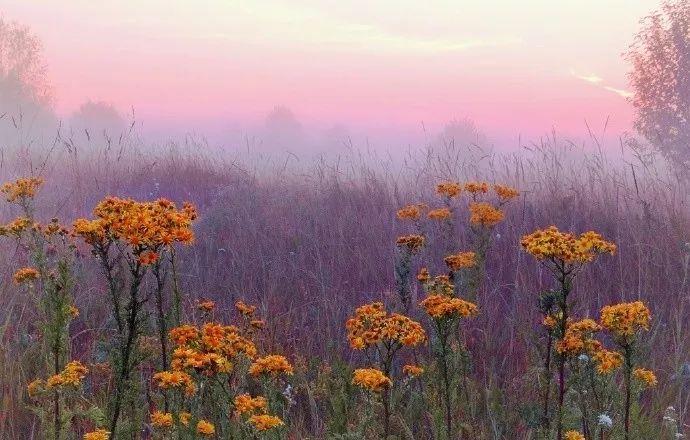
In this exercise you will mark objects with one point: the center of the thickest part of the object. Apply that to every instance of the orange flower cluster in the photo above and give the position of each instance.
(573, 435)
(246, 404)
(70, 376)
(21, 189)
(99, 434)
(25, 274)
(205, 428)
(371, 379)
(449, 189)
(245, 309)
(145, 226)
(16, 227)
(174, 380)
(264, 422)
(161, 420)
(371, 325)
(506, 193)
(477, 187)
(625, 319)
(645, 376)
(206, 306)
(461, 260)
(607, 360)
(423, 275)
(578, 338)
(485, 214)
(409, 212)
(439, 214)
(440, 285)
(413, 370)
(209, 350)
(566, 247)
(412, 242)
(271, 365)
(444, 306)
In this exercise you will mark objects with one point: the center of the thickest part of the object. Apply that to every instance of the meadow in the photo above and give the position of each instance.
(182, 292)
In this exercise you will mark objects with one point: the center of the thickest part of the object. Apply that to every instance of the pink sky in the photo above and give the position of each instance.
(513, 67)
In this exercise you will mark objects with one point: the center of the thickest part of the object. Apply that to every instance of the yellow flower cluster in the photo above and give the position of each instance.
(444, 306)
(206, 428)
(506, 193)
(412, 242)
(161, 420)
(578, 338)
(409, 212)
(271, 365)
(552, 244)
(485, 214)
(423, 276)
(439, 214)
(16, 227)
(21, 189)
(206, 306)
(477, 187)
(264, 422)
(175, 379)
(645, 376)
(625, 319)
(449, 189)
(70, 376)
(25, 274)
(573, 435)
(208, 350)
(413, 370)
(461, 260)
(246, 404)
(371, 379)
(440, 285)
(145, 226)
(99, 434)
(245, 309)
(371, 325)
(607, 360)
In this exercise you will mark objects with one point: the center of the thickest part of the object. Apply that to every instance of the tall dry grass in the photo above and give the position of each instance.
(309, 242)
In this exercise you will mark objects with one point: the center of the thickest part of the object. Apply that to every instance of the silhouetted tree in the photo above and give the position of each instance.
(660, 79)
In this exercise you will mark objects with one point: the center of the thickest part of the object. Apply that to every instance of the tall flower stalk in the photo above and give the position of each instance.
(625, 321)
(381, 336)
(130, 239)
(564, 254)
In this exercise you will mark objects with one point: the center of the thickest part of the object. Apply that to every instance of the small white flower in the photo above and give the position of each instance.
(583, 358)
(605, 420)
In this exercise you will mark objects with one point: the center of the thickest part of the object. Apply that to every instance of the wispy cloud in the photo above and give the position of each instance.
(598, 81)
(620, 92)
(594, 79)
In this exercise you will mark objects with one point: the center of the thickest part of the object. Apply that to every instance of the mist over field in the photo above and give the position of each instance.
(361, 220)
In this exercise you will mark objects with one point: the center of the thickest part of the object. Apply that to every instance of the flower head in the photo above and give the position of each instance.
(371, 379)
(625, 319)
(272, 365)
(645, 376)
(477, 187)
(372, 325)
(439, 214)
(461, 260)
(161, 420)
(205, 428)
(25, 274)
(409, 212)
(412, 242)
(99, 434)
(552, 244)
(413, 370)
(506, 193)
(449, 189)
(485, 214)
(246, 404)
(573, 435)
(444, 306)
(264, 422)
(21, 189)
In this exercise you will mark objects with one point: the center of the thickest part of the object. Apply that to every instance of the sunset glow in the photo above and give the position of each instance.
(514, 68)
